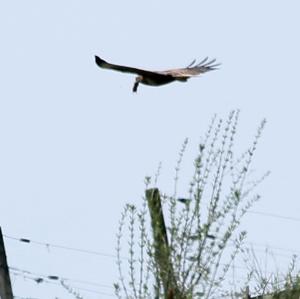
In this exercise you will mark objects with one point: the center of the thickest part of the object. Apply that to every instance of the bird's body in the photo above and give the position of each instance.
(157, 78)
(152, 80)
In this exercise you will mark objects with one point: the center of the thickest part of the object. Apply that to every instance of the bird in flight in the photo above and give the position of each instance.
(157, 78)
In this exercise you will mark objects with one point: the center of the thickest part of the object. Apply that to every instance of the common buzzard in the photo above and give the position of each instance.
(157, 78)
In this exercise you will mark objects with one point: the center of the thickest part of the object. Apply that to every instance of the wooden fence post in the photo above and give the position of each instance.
(5, 284)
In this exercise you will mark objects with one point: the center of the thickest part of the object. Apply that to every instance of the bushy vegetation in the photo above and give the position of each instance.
(183, 247)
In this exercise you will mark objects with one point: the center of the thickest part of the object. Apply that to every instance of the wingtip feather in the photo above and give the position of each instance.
(99, 61)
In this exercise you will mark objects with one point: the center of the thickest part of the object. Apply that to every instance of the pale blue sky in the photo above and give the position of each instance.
(76, 143)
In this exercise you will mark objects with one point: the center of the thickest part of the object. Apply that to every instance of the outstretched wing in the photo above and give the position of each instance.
(194, 69)
(125, 69)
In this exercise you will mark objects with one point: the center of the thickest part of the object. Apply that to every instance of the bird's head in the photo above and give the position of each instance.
(138, 79)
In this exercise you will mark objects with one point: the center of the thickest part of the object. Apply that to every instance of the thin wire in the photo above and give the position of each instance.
(28, 241)
(275, 216)
(37, 276)
(53, 279)
(57, 283)
(275, 247)
(57, 277)
(62, 247)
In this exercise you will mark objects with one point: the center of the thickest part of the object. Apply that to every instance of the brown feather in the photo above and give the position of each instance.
(157, 78)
